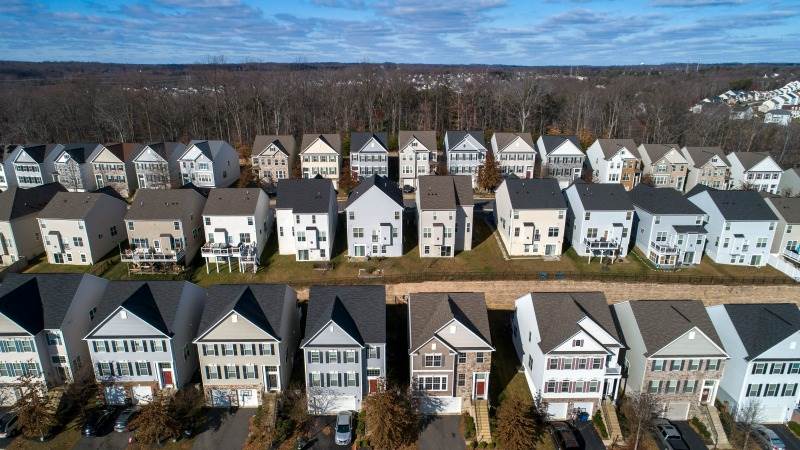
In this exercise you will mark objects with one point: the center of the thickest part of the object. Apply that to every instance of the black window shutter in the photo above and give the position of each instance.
(208, 373)
(125, 345)
(205, 353)
(94, 346)
(255, 371)
(237, 372)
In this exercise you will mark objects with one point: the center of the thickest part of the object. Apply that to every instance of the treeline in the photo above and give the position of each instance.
(110, 103)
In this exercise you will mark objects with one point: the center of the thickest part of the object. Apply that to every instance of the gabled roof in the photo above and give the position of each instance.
(384, 184)
(17, 202)
(788, 208)
(155, 302)
(738, 205)
(535, 193)
(232, 202)
(749, 159)
(662, 321)
(284, 142)
(426, 138)
(305, 195)
(602, 196)
(701, 155)
(209, 148)
(454, 137)
(761, 326)
(445, 191)
(665, 201)
(261, 304)
(125, 151)
(359, 140)
(39, 152)
(430, 311)
(38, 301)
(75, 205)
(611, 147)
(80, 152)
(551, 143)
(359, 310)
(504, 139)
(333, 140)
(161, 204)
(658, 151)
(558, 314)
(170, 151)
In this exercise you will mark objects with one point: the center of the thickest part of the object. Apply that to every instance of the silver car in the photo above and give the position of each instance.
(670, 436)
(344, 428)
(767, 438)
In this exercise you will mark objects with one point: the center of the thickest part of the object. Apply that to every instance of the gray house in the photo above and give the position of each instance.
(73, 168)
(156, 165)
(143, 341)
(273, 157)
(466, 152)
(561, 158)
(246, 344)
(369, 154)
(19, 231)
(375, 219)
(344, 349)
(444, 215)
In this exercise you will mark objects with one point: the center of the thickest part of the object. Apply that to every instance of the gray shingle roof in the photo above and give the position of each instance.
(662, 321)
(232, 202)
(74, 205)
(657, 151)
(284, 142)
(262, 304)
(535, 193)
(209, 148)
(664, 201)
(445, 191)
(80, 152)
(384, 184)
(17, 202)
(155, 302)
(161, 204)
(305, 195)
(558, 314)
(170, 151)
(125, 151)
(359, 140)
(39, 152)
(426, 138)
(503, 139)
(453, 137)
(333, 140)
(740, 205)
(430, 311)
(761, 326)
(749, 159)
(553, 142)
(610, 147)
(602, 196)
(40, 301)
(359, 310)
(701, 155)
(788, 208)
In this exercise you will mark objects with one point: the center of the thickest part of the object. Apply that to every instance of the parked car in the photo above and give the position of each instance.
(344, 427)
(564, 436)
(9, 426)
(670, 436)
(408, 189)
(124, 418)
(98, 420)
(767, 438)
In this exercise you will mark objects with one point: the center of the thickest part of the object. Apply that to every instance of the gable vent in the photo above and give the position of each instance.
(234, 318)
(123, 315)
(692, 335)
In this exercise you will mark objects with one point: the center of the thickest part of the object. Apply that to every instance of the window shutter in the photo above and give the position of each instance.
(234, 350)
(144, 345)
(152, 345)
(255, 371)
(339, 378)
(208, 373)
(205, 353)
(308, 356)
(758, 394)
(125, 345)
(271, 349)
(377, 352)
(327, 357)
(683, 364)
(216, 350)
(310, 382)
(253, 346)
(748, 390)
(356, 353)
(99, 369)
(355, 375)
(138, 371)
(94, 346)
(754, 369)
(219, 371)
(238, 374)
(130, 368)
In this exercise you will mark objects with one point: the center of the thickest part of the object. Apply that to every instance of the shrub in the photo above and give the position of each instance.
(492, 445)
(361, 423)
(284, 427)
(469, 426)
(473, 444)
(599, 424)
(701, 428)
(482, 444)
(795, 427)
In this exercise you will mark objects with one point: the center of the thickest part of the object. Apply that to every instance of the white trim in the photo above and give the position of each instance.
(322, 328)
(225, 317)
(465, 327)
(114, 313)
(696, 328)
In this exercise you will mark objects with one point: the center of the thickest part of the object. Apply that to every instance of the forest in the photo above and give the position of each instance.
(73, 102)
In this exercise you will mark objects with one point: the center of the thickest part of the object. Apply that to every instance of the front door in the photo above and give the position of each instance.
(480, 385)
(166, 375)
(373, 385)
(549, 249)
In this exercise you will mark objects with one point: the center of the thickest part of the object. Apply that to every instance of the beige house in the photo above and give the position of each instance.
(530, 216)
(82, 227)
(444, 215)
(19, 232)
(112, 166)
(708, 166)
(273, 157)
(165, 229)
(321, 154)
(664, 165)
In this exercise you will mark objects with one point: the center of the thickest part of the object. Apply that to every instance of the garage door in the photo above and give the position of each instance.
(248, 398)
(557, 411)
(584, 407)
(440, 405)
(775, 414)
(115, 395)
(220, 398)
(142, 394)
(343, 403)
(677, 411)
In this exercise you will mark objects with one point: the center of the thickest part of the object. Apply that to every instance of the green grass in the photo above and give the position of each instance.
(505, 378)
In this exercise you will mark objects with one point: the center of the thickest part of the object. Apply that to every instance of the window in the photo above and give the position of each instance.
(479, 357)
(77, 241)
(53, 339)
(248, 349)
(771, 390)
(462, 380)
(550, 386)
(373, 353)
(266, 349)
(566, 364)
(789, 390)
(587, 215)
(228, 349)
(124, 369)
(552, 232)
(689, 385)
(597, 363)
(358, 232)
(350, 357)
(676, 364)
(581, 364)
(552, 363)
(351, 379)
(658, 365)
(777, 368)
(212, 372)
(209, 350)
(433, 360)
(315, 379)
(58, 359)
(591, 233)
(594, 386)
(761, 243)
(694, 364)
(157, 345)
(794, 368)
(577, 343)
(432, 383)
(104, 369)
(373, 372)
(654, 387)
(231, 372)
(176, 225)
(462, 358)
(333, 356)
(712, 364)
(250, 372)
(672, 386)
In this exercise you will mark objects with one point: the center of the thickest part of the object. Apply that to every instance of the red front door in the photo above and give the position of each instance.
(480, 388)
(166, 376)
(373, 385)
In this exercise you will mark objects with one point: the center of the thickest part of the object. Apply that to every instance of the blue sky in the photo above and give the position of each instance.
(524, 32)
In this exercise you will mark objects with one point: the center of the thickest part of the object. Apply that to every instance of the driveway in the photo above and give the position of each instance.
(109, 441)
(693, 440)
(321, 433)
(224, 429)
(4, 443)
(588, 434)
(786, 435)
(441, 432)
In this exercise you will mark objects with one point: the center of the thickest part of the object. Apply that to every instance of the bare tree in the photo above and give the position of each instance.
(35, 410)
(391, 417)
(747, 416)
(518, 427)
(640, 410)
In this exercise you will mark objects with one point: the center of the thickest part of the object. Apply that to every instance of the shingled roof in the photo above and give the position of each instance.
(662, 321)
(359, 310)
(261, 304)
(333, 140)
(558, 314)
(38, 301)
(284, 142)
(384, 184)
(657, 151)
(663, 201)
(749, 159)
(232, 201)
(761, 326)
(445, 192)
(430, 311)
(701, 155)
(125, 151)
(358, 140)
(80, 152)
(17, 202)
(551, 143)
(738, 205)
(305, 195)
(39, 152)
(611, 147)
(426, 138)
(535, 193)
(454, 137)
(75, 205)
(602, 196)
(161, 204)
(504, 139)
(170, 151)
(209, 148)
(787, 207)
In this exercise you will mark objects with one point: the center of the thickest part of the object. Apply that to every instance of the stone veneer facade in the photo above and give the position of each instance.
(699, 375)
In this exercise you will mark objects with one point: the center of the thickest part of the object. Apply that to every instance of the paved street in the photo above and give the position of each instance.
(224, 430)
(792, 442)
(440, 433)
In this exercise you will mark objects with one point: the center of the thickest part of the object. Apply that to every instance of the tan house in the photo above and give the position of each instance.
(19, 232)
(708, 166)
(664, 165)
(530, 216)
(82, 227)
(112, 166)
(165, 229)
(273, 157)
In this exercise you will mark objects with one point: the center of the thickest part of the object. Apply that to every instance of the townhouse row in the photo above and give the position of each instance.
(141, 337)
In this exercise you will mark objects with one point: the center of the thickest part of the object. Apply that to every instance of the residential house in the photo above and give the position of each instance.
(615, 161)
(7, 178)
(530, 215)
(82, 227)
(707, 166)
(306, 214)
(789, 184)
(599, 219)
(741, 227)
(741, 112)
(418, 155)
(73, 168)
(764, 365)
(19, 231)
(273, 157)
(755, 170)
(444, 215)
(514, 153)
(112, 165)
(209, 164)
(369, 154)
(374, 213)
(569, 348)
(165, 229)
(237, 225)
(786, 244)
(32, 165)
(670, 229)
(321, 154)
(157, 166)
(664, 165)
(344, 346)
(142, 341)
(779, 117)
(246, 342)
(674, 353)
(465, 152)
(561, 158)
(44, 318)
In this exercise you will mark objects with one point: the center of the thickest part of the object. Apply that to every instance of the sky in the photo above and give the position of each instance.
(513, 32)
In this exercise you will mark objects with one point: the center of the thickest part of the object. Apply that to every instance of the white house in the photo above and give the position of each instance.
(530, 215)
(444, 215)
(32, 165)
(741, 227)
(665, 165)
(6, 167)
(755, 170)
(466, 152)
(156, 165)
(374, 212)
(561, 158)
(321, 154)
(615, 161)
(569, 349)
(209, 164)
(599, 219)
(707, 166)
(778, 116)
(790, 182)
(764, 369)
(306, 215)
(369, 154)
(514, 153)
(19, 230)
(418, 154)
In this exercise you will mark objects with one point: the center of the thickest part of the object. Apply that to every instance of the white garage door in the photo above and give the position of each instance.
(248, 398)
(775, 414)
(677, 411)
(557, 411)
(142, 394)
(440, 405)
(343, 403)
(584, 407)
(115, 395)
(220, 398)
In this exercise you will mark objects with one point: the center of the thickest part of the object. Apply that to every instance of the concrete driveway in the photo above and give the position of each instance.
(588, 434)
(786, 435)
(441, 432)
(224, 430)
(109, 441)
